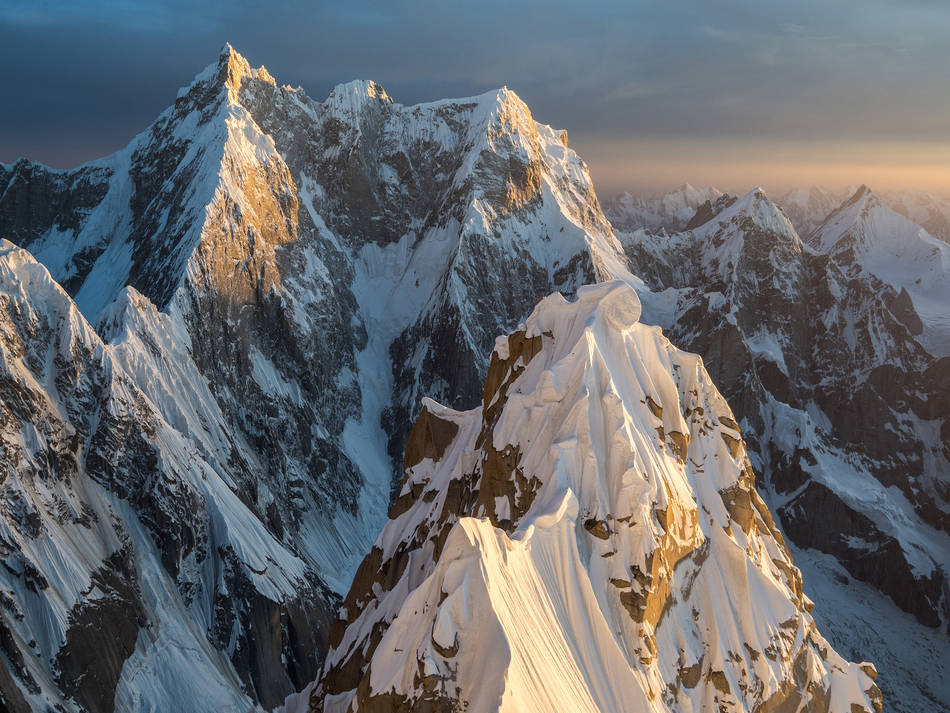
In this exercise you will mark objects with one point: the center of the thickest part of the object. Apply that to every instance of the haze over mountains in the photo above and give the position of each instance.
(807, 208)
(215, 343)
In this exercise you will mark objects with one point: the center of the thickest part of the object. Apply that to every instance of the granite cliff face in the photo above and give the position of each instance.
(211, 365)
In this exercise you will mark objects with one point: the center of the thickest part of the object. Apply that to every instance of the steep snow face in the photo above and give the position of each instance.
(824, 358)
(670, 212)
(276, 281)
(590, 539)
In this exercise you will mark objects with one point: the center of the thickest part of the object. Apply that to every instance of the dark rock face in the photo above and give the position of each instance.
(37, 200)
(819, 359)
(101, 635)
(818, 518)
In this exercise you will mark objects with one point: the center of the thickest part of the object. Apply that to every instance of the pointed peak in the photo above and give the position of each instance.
(230, 71)
(852, 218)
(503, 97)
(757, 207)
(751, 202)
(859, 198)
(233, 69)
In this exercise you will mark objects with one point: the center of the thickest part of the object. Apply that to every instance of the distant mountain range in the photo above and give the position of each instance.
(291, 414)
(807, 208)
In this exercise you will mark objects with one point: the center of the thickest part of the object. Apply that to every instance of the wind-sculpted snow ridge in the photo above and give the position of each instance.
(589, 539)
(274, 282)
(830, 352)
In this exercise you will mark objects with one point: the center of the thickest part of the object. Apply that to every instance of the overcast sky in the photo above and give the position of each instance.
(735, 93)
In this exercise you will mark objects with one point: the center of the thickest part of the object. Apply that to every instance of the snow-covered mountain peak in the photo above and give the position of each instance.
(29, 282)
(691, 194)
(864, 218)
(611, 305)
(235, 69)
(752, 213)
(228, 72)
(865, 235)
(349, 98)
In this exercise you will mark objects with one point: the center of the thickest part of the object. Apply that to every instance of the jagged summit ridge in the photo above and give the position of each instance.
(670, 212)
(229, 71)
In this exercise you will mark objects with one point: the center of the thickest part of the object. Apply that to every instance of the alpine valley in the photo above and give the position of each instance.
(355, 406)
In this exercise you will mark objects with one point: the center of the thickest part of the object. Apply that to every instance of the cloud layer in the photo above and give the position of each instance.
(645, 77)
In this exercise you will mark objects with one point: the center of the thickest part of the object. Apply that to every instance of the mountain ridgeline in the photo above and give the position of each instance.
(215, 342)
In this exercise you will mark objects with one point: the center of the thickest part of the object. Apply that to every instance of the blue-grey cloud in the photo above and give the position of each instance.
(88, 75)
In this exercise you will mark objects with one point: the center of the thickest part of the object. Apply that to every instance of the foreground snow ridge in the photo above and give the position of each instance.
(589, 539)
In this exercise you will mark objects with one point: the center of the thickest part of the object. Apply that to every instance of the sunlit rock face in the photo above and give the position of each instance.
(588, 539)
(833, 352)
(214, 344)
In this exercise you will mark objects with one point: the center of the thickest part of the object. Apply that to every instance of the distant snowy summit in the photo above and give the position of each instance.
(807, 208)
(670, 212)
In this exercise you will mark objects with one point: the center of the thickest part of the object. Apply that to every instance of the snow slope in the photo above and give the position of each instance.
(931, 212)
